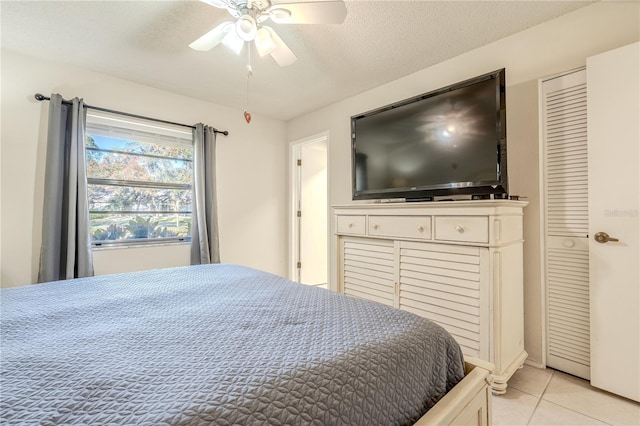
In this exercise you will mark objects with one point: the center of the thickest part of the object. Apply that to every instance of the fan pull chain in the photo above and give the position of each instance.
(247, 114)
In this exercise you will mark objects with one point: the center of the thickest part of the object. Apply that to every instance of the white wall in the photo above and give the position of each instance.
(252, 172)
(546, 49)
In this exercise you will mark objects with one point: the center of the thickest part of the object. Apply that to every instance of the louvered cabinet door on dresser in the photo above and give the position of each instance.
(458, 264)
(368, 270)
(566, 227)
(444, 283)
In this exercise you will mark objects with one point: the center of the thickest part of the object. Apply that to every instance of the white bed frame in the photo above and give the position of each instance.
(469, 402)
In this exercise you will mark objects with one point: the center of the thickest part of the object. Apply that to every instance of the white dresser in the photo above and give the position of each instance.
(458, 263)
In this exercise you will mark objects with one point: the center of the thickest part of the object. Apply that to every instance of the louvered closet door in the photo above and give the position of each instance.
(443, 283)
(368, 269)
(564, 127)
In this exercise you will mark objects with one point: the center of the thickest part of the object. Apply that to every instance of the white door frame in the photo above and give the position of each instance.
(294, 231)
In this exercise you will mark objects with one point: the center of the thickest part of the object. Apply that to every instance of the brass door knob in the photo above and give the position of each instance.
(603, 237)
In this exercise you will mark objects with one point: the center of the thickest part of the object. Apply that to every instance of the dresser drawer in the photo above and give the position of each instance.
(400, 226)
(471, 229)
(351, 224)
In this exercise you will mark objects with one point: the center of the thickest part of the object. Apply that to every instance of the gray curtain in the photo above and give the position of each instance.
(205, 247)
(66, 243)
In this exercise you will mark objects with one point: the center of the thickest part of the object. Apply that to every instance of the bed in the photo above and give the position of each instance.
(225, 344)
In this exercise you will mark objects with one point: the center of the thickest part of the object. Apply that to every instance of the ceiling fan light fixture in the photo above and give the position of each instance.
(246, 27)
(233, 42)
(264, 42)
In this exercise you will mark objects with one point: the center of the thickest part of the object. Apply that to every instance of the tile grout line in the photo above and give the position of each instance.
(540, 398)
(560, 405)
(579, 412)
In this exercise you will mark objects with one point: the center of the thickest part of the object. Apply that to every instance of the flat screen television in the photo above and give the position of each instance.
(450, 141)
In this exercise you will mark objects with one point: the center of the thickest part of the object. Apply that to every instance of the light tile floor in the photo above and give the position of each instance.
(550, 397)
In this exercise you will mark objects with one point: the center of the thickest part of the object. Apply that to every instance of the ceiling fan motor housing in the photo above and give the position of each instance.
(256, 5)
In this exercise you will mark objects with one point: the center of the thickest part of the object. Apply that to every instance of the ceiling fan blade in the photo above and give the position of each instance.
(314, 12)
(230, 5)
(281, 54)
(212, 38)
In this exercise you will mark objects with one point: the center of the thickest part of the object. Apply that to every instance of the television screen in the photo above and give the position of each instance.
(450, 141)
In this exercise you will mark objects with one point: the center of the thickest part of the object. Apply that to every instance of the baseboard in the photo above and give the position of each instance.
(535, 364)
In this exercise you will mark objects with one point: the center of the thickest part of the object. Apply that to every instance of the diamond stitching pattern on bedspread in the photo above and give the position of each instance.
(215, 344)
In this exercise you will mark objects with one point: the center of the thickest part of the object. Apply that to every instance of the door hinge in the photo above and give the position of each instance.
(299, 162)
(299, 214)
(299, 265)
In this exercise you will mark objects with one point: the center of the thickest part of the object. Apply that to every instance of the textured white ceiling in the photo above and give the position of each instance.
(380, 41)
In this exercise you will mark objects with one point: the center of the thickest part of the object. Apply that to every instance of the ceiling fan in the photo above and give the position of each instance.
(250, 16)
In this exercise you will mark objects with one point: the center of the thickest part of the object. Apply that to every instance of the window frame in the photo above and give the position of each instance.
(130, 125)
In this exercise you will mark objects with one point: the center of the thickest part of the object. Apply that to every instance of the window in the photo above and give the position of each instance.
(139, 176)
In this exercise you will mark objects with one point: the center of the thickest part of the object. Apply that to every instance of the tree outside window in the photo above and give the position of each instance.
(139, 184)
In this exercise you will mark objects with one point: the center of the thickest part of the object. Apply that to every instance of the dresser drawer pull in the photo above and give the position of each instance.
(420, 228)
(375, 226)
(460, 229)
(350, 225)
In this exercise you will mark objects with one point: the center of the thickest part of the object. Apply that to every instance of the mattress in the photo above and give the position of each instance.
(215, 344)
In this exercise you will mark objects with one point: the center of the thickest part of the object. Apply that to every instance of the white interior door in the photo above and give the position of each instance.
(613, 88)
(566, 228)
(310, 247)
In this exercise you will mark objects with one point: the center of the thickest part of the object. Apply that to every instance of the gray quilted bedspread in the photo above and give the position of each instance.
(215, 344)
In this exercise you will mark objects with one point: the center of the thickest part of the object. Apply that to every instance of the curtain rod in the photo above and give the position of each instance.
(40, 97)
